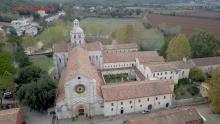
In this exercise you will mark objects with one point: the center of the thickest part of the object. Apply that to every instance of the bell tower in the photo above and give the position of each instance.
(77, 35)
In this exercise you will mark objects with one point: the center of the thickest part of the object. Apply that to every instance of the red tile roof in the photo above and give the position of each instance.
(78, 64)
(11, 116)
(137, 89)
(182, 115)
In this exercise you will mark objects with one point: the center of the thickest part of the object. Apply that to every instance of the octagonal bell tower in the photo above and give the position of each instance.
(77, 35)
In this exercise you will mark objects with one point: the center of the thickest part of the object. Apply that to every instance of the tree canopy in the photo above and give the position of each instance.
(125, 33)
(214, 91)
(197, 74)
(37, 90)
(178, 48)
(29, 74)
(20, 57)
(204, 45)
(38, 95)
(6, 63)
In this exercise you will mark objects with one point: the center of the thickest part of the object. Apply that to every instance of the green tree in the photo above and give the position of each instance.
(29, 74)
(204, 45)
(20, 57)
(6, 83)
(38, 95)
(214, 91)
(6, 63)
(178, 48)
(197, 74)
(125, 33)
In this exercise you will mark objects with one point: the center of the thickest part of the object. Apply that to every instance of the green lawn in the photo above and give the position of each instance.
(115, 78)
(6, 82)
(44, 62)
(101, 29)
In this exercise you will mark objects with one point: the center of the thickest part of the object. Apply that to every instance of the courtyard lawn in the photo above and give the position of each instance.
(115, 78)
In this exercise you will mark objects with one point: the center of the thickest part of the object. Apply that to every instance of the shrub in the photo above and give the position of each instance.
(197, 74)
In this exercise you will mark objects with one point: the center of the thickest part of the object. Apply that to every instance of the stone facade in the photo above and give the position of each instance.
(80, 67)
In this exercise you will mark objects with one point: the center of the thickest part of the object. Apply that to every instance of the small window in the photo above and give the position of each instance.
(164, 97)
(158, 74)
(139, 100)
(131, 106)
(148, 99)
(156, 98)
(161, 73)
(159, 103)
(165, 78)
(171, 72)
(121, 103)
(79, 77)
(170, 77)
(140, 105)
(154, 75)
(130, 102)
(112, 109)
(165, 73)
(112, 104)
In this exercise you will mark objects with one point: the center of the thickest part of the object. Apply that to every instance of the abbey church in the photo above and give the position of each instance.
(83, 91)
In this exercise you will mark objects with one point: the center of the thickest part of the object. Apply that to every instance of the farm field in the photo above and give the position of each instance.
(188, 24)
(101, 29)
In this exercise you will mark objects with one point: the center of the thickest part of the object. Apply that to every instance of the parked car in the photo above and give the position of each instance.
(7, 95)
(145, 112)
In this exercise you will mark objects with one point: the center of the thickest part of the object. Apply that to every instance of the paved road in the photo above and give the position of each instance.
(205, 111)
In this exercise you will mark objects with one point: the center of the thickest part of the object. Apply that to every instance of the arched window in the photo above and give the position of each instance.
(74, 36)
(149, 107)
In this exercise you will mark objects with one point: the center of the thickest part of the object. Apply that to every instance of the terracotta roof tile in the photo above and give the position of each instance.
(207, 61)
(144, 57)
(94, 46)
(11, 116)
(182, 64)
(161, 67)
(137, 89)
(121, 46)
(60, 47)
(173, 116)
(78, 63)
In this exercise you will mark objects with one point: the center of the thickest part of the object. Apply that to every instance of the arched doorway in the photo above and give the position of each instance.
(81, 110)
(167, 105)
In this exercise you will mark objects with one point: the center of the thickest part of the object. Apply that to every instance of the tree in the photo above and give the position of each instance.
(197, 74)
(6, 63)
(20, 57)
(38, 95)
(125, 33)
(204, 45)
(214, 91)
(164, 47)
(178, 48)
(29, 74)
